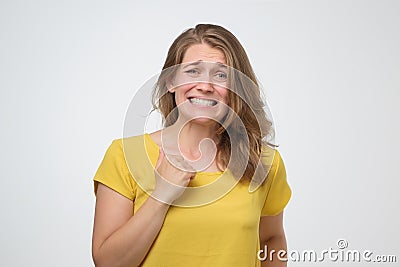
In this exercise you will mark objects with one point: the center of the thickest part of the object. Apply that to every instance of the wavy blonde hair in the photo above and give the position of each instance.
(244, 99)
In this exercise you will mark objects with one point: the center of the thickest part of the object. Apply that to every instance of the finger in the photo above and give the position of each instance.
(187, 167)
(174, 160)
(180, 163)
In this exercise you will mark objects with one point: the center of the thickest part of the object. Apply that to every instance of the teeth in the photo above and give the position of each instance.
(203, 102)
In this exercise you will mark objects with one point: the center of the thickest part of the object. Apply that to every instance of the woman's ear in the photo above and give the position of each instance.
(170, 86)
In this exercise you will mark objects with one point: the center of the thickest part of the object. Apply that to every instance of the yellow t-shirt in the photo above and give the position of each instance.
(222, 233)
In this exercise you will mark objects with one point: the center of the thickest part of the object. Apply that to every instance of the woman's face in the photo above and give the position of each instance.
(200, 84)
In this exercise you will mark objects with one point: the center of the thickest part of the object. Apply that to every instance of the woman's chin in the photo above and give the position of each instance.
(204, 116)
(204, 121)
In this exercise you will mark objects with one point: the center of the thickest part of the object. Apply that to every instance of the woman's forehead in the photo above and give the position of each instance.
(203, 52)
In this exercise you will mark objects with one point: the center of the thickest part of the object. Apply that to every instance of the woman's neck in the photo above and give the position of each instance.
(190, 138)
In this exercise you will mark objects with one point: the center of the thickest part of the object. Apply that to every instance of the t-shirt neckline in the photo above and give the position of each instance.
(155, 146)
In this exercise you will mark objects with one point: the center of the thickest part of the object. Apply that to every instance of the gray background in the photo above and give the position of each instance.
(68, 70)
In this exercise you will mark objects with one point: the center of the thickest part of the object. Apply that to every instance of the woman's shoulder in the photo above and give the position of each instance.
(154, 137)
(137, 149)
(270, 156)
(119, 145)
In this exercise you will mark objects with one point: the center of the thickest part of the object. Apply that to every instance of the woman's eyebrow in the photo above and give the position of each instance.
(192, 64)
(219, 65)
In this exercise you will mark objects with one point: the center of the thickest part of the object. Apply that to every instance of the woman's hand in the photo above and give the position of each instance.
(171, 179)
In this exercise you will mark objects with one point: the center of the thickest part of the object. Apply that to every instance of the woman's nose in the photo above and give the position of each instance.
(205, 86)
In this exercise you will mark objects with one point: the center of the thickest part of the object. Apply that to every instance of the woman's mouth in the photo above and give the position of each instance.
(203, 102)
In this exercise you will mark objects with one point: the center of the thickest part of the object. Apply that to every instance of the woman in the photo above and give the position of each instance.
(158, 224)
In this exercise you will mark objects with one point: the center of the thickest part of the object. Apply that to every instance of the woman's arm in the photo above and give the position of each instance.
(120, 239)
(272, 236)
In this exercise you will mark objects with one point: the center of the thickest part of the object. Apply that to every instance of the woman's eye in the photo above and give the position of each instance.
(192, 71)
(221, 76)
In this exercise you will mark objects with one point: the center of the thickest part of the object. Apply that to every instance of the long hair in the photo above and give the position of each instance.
(244, 99)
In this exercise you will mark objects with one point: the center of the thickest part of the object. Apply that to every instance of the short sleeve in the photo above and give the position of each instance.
(114, 173)
(279, 192)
